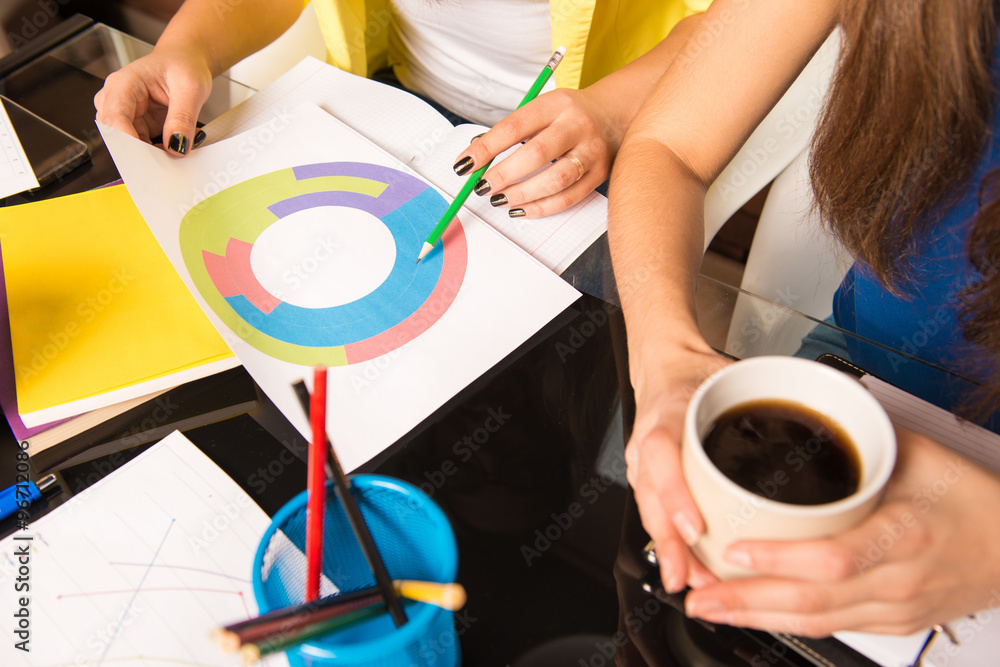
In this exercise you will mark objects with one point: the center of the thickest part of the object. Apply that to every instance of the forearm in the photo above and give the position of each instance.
(224, 32)
(655, 221)
(626, 89)
(656, 232)
(691, 124)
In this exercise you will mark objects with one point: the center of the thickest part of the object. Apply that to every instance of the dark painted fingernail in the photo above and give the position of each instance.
(478, 135)
(178, 143)
(463, 166)
(482, 187)
(498, 200)
(516, 213)
(199, 137)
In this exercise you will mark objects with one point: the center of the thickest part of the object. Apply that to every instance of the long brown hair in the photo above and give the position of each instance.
(907, 117)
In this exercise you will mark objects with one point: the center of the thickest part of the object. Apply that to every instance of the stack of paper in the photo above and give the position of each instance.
(98, 318)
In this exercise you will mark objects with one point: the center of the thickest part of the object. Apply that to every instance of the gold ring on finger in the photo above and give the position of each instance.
(579, 165)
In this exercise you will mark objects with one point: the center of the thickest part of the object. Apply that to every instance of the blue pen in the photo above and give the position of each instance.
(13, 497)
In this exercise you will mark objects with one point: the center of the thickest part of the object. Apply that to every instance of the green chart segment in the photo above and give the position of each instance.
(218, 235)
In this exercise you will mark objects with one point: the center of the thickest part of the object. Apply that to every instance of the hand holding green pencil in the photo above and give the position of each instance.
(477, 175)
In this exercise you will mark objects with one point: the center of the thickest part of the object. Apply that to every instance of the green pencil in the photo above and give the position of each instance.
(476, 176)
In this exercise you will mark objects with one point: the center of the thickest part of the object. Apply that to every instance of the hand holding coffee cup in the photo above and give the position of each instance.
(780, 448)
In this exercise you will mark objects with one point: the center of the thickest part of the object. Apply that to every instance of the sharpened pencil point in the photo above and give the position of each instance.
(423, 251)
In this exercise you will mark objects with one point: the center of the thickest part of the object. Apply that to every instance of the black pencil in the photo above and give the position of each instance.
(303, 395)
(342, 487)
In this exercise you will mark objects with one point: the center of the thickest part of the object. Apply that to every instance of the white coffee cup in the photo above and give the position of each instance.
(733, 513)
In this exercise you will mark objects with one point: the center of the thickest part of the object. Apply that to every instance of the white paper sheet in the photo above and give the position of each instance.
(505, 296)
(907, 411)
(138, 568)
(416, 134)
(16, 174)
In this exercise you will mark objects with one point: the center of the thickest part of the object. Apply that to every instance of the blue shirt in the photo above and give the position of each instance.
(924, 322)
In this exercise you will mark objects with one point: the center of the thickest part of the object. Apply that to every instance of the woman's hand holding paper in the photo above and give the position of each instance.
(161, 93)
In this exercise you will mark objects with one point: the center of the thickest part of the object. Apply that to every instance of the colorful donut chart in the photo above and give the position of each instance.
(218, 234)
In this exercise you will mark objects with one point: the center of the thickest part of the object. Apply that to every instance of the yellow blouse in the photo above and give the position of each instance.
(600, 35)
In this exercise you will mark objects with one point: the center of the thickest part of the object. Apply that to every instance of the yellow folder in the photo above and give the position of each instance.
(97, 312)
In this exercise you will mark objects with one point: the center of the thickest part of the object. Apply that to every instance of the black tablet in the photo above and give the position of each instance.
(50, 151)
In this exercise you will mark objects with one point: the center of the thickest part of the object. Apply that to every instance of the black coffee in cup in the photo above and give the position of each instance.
(785, 452)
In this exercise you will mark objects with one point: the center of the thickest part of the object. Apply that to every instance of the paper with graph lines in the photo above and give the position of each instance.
(137, 569)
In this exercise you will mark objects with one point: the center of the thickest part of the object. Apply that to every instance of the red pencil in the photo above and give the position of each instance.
(316, 472)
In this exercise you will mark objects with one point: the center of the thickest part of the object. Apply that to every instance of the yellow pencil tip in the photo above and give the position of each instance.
(454, 597)
(249, 654)
(228, 642)
(449, 596)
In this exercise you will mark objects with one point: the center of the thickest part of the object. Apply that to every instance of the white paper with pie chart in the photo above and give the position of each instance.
(299, 239)
(223, 235)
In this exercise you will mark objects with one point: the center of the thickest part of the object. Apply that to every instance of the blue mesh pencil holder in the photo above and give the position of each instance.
(415, 540)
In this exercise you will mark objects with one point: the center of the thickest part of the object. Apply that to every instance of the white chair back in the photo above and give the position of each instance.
(793, 262)
(302, 39)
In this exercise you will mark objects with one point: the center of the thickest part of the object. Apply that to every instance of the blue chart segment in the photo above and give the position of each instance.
(218, 235)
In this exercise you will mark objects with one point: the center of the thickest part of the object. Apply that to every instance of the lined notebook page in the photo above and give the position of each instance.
(555, 241)
(912, 413)
(414, 133)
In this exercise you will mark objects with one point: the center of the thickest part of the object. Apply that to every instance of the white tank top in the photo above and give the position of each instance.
(475, 57)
